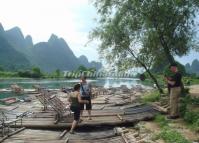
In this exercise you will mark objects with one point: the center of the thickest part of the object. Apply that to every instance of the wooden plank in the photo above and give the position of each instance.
(13, 133)
(63, 134)
(124, 138)
(119, 117)
(67, 140)
(159, 108)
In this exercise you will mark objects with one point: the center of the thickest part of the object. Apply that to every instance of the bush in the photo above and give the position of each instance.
(191, 117)
(183, 105)
(151, 97)
(8, 74)
(196, 125)
(160, 119)
(25, 73)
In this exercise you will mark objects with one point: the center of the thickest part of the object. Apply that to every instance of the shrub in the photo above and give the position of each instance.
(196, 125)
(151, 97)
(160, 119)
(191, 117)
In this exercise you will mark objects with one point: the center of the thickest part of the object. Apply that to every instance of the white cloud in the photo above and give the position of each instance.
(70, 19)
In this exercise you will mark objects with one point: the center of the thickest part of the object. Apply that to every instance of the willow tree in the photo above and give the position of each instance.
(140, 32)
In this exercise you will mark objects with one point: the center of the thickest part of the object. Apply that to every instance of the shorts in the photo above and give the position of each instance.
(76, 111)
(88, 105)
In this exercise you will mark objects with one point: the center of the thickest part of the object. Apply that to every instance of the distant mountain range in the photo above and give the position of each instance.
(193, 67)
(19, 52)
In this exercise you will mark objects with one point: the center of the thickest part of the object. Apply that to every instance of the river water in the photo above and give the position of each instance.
(59, 83)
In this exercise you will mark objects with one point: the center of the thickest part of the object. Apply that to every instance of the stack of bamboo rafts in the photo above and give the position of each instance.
(16, 88)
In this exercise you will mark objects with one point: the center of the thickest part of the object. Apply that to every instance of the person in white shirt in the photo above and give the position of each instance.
(85, 93)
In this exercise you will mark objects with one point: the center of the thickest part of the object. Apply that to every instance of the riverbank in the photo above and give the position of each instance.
(194, 90)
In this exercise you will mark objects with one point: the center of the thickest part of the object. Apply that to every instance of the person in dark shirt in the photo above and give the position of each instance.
(75, 101)
(174, 83)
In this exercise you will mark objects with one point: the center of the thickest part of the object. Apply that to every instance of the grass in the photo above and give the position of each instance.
(151, 97)
(189, 112)
(190, 80)
(192, 119)
(168, 134)
(172, 136)
(161, 121)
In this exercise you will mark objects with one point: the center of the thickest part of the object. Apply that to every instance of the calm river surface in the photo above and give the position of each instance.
(58, 83)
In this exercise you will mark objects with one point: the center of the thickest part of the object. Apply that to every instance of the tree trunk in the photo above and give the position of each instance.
(155, 80)
(166, 50)
(147, 70)
(163, 42)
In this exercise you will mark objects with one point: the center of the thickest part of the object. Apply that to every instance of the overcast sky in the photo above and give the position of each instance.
(69, 19)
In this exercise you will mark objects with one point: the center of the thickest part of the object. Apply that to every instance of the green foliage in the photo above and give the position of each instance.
(168, 72)
(158, 26)
(8, 74)
(191, 117)
(160, 119)
(137, 33)
(58, 73)
(196, 125)
(151, 97)
(191, 80)
(172, 136)
(36, 72)
(25, 73)
(82, 68)
(167, 134)
(183, 105)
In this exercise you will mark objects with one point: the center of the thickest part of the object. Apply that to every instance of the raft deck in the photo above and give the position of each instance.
(108, 111)
(105, 117)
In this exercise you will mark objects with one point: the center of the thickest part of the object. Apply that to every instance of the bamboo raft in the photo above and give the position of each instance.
(109, 111)
(45, 120)
(44, 136)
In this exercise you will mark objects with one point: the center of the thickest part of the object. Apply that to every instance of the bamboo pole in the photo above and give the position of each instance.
(11, 134)
(67, 139)
(62, 134)
(124, 138)
(159, 108)
(120, 117)
(17, 131)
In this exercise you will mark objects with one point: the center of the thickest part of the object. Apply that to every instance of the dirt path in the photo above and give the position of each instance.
(194, 90)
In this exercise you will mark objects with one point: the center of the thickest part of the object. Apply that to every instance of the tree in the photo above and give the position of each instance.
(140, 32)
(57, 73)
(82, 68)
(36, 72)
